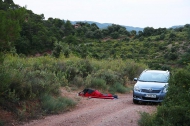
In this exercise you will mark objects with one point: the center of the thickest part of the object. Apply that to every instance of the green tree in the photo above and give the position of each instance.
(133, 33)
(71, 39)
(68, 28)
(188, 34)
(57, 50)
(98, 34)
(148, 31)
(67, 52)
(115, 35)
(10, 22)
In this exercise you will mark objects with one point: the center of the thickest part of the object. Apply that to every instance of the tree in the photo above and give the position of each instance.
(71, 40)
(188, 34)
(148, 31)
(133, 33)
(94, 27)
(66, 52)
(115, 35)
(98, 34)
(10, 22)
(68, 28)
(89, 34)
(57, 50)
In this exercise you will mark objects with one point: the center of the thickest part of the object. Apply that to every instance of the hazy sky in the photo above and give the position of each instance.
(136, 13)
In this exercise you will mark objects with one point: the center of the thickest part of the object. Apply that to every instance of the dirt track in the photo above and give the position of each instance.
(98, 112)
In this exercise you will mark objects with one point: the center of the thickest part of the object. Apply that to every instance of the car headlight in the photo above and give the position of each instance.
(137, 88)
(165, 90)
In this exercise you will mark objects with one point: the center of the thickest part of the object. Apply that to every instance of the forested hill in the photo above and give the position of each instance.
(128, 28)
(26, 33)
(105, 25)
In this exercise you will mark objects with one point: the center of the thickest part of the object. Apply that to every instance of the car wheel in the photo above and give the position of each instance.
(135, 101)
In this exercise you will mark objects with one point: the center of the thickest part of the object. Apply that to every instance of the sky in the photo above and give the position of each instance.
(136, 13)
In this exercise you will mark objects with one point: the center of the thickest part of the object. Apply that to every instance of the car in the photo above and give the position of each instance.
(151, 86)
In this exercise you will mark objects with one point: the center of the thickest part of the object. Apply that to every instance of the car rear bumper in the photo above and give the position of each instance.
(141, 96)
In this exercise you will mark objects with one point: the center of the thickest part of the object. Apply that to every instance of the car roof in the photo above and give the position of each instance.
(156, 71)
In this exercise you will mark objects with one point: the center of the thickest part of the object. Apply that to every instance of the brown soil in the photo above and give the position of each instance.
(97, 112)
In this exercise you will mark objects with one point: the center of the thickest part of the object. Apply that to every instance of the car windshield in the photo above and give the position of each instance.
(154, 77)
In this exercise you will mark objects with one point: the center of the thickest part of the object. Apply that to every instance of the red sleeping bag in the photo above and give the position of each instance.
(96, 94)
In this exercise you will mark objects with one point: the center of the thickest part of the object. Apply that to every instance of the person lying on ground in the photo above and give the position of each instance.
(90, 93)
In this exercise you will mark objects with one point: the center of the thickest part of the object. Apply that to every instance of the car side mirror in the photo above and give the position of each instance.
(135, 79)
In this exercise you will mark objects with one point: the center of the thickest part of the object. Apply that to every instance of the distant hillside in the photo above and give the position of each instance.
(129, 28)
(177, 26)
(105, 25)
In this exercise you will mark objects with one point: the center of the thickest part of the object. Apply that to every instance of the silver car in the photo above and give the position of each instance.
(151, 86)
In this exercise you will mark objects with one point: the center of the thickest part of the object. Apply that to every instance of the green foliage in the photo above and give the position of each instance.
(56, 105)
(185, 58)
(57, 50)
(118, 87)
(66, 53)
(145, 119)
(10, 22)
(78, 81)
(24, 78)
(96, 83)
(108, 75)
(85, 68)
(174, 110)
(148, 31)
(115, 35)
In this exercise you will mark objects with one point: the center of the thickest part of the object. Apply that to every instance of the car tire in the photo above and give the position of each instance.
(135, 101)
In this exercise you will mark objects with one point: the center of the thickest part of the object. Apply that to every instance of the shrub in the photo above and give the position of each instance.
(118, 87)
(57, 50)
(42, 82)
(145, 119)
(97, 83)
(132, 69)
(174, 110)
(71, 72)
(85, 68)
(78, 81)
(56, 105)
(108, 75)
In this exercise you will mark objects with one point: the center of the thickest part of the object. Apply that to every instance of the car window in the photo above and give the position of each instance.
(154, 77)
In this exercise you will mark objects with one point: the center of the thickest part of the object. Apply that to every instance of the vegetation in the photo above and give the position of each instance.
(38, 57)
(174, 111)
(26, 80)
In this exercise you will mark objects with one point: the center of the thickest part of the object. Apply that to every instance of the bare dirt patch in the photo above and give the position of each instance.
(97, 112)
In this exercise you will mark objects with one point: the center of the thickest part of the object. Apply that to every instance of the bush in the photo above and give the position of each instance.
(117, 87)
(56, 105)
(172, 116)
(94, 82)
(132, 69)
(175, 107)
(78, 81)
(145, 119)
(57, 50)
(85, 68)
(108, 75)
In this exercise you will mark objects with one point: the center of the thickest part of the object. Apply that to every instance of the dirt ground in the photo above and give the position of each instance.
(97, 112)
